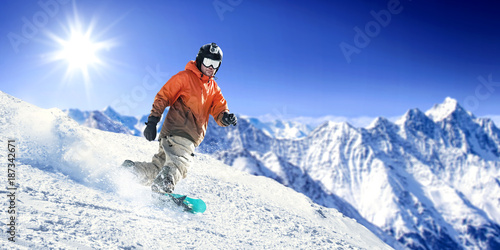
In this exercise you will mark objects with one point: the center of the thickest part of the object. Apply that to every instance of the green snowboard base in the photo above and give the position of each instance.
(189, 204)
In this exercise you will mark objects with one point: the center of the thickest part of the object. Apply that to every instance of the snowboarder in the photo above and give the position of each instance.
(192, 95)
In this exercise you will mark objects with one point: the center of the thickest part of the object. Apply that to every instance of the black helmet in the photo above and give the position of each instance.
(210, 50)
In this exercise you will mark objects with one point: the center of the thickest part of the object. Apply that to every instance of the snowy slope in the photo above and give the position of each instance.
(72, 194)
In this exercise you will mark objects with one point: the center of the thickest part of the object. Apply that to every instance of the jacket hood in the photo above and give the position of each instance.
(191, 66)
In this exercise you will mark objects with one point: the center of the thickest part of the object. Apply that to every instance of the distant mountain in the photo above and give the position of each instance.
(430, 180)
(109, 120)
(281, 129)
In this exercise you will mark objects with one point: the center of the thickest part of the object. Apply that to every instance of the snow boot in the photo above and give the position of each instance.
(164, 182)
(128, 164)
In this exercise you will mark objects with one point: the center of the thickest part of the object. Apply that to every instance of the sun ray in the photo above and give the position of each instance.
(80, 48)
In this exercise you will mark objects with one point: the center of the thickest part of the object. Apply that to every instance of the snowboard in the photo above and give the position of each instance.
(192, 205)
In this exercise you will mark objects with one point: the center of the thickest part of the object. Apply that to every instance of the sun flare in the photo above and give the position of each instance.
(79, 52)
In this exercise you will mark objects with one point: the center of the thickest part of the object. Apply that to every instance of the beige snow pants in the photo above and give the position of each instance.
(175, 152)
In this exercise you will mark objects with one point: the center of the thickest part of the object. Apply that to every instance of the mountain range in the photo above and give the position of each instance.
(430, 180)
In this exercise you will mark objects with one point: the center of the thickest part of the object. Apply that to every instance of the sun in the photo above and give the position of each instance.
(79, 52)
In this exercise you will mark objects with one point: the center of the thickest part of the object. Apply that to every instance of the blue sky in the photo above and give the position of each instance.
(282, 58)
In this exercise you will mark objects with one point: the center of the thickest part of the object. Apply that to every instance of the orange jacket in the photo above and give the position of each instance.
(192, 97)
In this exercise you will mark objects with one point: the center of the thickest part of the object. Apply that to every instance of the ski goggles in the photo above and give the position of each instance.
(207, 62)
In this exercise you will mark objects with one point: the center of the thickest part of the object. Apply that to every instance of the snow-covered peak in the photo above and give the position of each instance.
(412, 114)
(415, 121)
(129, 121)
(108, 120)
(379, 122)
(99, 120)
(446, 109)
(77, 115)
(280, 129)
(110, 111)
(331, 126)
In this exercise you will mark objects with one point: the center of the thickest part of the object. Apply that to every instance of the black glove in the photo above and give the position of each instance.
(229, 119)
(150, 130)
